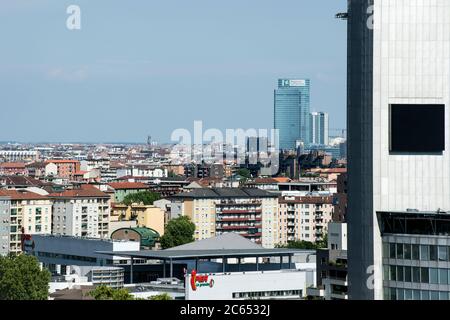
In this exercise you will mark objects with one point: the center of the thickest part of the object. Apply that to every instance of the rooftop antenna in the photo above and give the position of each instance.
(341, 15)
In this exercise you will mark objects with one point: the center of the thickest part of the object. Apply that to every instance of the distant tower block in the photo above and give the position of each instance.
(149, 140)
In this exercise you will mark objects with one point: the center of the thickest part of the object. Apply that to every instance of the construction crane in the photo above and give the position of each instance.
(341, 132)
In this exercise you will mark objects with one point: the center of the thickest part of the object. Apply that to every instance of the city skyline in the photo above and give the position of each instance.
(194, 59)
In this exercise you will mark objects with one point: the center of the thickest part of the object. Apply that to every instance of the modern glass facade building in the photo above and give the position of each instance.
(416, 255)
(398, 149)
(291, 112)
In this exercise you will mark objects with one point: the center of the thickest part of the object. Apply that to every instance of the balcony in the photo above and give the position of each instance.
(340, 296)
(315, 292)
(228, 227)
(336, 281)
(250, 235)
(240, 211)
(237, 219)
(237, 227)
(232, 202)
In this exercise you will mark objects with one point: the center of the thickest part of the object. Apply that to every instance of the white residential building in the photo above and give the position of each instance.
(303, 218)
(81, 212)
(142, 171)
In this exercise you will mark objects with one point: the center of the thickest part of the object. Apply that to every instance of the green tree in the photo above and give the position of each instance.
(245, 173)
(177, 232)
(306, 245)
(145, 197)
(103, 292)
(21, 278)
(162, 296)
(172, 174)
(323, 243)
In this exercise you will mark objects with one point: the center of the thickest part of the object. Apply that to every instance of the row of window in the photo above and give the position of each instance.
(410, 294)
(262, 294)
(66, 256)
(295, 205)
(417, 274)
(416, 252)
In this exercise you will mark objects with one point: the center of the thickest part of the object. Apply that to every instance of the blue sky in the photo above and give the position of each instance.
(152, 66)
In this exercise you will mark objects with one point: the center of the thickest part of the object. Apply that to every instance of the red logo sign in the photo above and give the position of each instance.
(200, 281)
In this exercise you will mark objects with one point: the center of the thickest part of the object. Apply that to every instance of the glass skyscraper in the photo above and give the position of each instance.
(319, 128)
(291, 111)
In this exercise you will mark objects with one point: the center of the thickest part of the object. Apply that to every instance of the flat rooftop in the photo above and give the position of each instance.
(205, 254)
(229, 245)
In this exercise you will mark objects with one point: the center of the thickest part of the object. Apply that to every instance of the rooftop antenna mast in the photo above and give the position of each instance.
(342, 15)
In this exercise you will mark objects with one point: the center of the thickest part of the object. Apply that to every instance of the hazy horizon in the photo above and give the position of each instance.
(148, 68)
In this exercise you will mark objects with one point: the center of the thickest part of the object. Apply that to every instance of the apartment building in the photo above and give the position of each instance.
(303, 218)
(332, 270)
(5, 211)
(147, 216)
(36, 169)
(30, 213)
(81, 212)
(204, 170)
(245, 211)
(65, 168)
(141, 170)
(13, 168)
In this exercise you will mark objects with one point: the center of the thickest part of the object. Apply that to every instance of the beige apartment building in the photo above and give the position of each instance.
(252, 213)
(138, 215)
(30, 213)
(303, 218)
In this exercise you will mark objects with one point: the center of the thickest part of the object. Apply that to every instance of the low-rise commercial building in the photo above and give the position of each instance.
(58, 252)
(228, 267)
(76, 276)
(256, 285)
